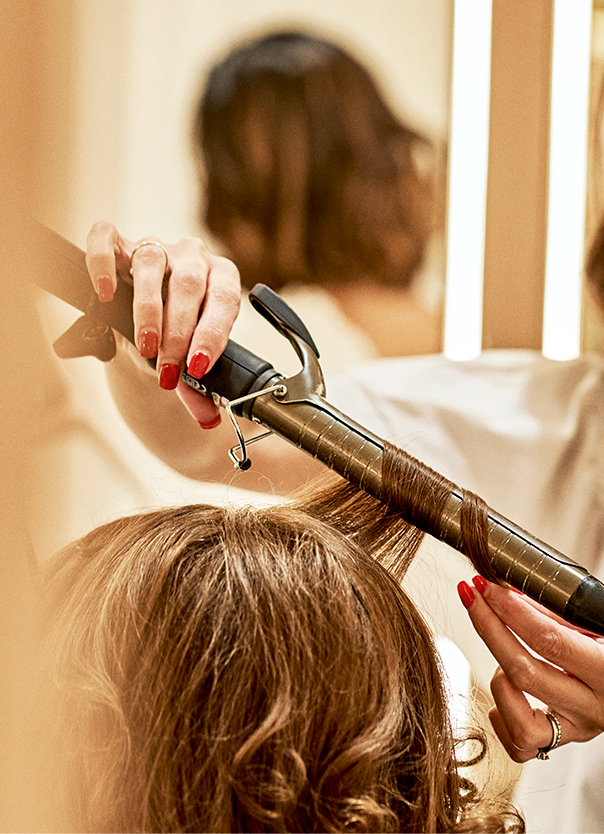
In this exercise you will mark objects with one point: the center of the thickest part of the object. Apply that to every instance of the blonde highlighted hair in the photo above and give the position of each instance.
(245, 669)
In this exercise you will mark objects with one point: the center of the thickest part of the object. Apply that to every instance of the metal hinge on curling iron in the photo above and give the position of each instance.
(243, 463)
(288, 323)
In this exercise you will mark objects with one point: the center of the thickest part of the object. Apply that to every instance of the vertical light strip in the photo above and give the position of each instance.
(468, 163)
(567, 178)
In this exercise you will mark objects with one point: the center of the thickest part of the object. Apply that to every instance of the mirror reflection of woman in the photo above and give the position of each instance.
(313, 185)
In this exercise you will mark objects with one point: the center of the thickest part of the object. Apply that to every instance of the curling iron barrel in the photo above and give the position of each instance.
(516, 556)
(298, 412)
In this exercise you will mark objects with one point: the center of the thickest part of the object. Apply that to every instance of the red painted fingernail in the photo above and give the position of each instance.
(466, 594)
(480, 584)
(198, 364)
(169, 376)
(105, 289)
(149, 343)
(213, 423)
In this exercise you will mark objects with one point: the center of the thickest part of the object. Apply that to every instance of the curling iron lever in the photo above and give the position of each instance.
(303, 416)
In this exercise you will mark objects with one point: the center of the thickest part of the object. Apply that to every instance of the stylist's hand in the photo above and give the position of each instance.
(567, 674)
(190, 330)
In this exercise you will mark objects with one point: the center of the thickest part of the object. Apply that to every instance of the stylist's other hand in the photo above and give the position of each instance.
(185, 328)
(567, 672)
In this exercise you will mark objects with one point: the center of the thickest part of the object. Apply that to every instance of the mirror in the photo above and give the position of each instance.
(139, 71)
(140, 67)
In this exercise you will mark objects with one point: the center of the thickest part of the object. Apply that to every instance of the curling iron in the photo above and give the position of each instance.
(296, 409)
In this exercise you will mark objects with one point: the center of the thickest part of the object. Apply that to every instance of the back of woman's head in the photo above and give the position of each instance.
(246, 670)
(309, 176)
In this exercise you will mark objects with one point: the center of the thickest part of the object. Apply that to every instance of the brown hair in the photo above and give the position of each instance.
(308, 174)
(594, 264)
(247, 669)
(594, 260)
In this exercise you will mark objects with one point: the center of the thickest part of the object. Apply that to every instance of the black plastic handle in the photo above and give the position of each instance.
(236, 373)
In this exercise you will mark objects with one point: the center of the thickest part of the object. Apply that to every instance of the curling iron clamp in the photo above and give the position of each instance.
(296, 409)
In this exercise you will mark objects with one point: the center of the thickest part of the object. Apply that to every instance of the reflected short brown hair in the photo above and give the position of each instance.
(246, 669)
(308, 174)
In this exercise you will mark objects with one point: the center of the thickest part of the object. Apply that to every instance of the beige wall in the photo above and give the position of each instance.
(516, 221)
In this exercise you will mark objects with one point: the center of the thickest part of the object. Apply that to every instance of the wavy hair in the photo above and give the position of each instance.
(244, 669)
(307, 174)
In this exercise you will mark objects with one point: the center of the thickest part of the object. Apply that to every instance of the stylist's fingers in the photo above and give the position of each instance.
(513, 743)
(579, 706)
(150, 264)
(185, 303)
(201, 307)
(514, 747)
(527, 672)
(547, 635)
(522, 728)
(106, 253)
(220, 309)
(514, 751)
(201, 408)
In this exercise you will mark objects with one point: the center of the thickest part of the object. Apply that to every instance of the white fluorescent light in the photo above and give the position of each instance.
(567, 178)
(468, 163)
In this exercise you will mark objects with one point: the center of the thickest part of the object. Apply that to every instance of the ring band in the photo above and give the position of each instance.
(542, 755)
(149, 243)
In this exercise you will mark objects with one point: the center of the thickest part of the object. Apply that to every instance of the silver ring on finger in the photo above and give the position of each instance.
(542, 755)
(149, 243)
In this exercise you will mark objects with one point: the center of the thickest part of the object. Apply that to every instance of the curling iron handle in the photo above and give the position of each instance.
(234, 374)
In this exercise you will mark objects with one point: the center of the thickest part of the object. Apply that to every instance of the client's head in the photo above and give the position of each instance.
(245, 669)
(308, 175)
